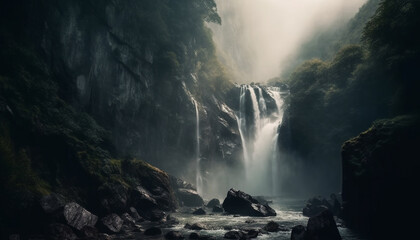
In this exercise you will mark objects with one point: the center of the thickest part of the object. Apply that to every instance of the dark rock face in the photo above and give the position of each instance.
(112, 223)
(128, 219)
(189, 197)
(238, 202)
(213, 203)
(322, 226)
(78, 217)
(217, 209)
(199, 211)
(114, 197)
(174, 235)
(153, 231)
(379, 171)
(59, 231)
(298, 233)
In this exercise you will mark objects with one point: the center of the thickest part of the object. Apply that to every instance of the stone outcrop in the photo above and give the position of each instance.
(238, 202)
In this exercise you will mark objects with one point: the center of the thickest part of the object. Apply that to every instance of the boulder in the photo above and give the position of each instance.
(235, 235)
(153, 231)
(312, 210)
(112, 223)
(78, 217)
(298, 233)
(134, 214)
(322, 226)
(252, 233)
(174, 235)
(189, 197)
(114, 197)
(52, 202)
(213, 203)
(238, 202)
(59, 231)
(199, 211)
(217, 209)
(195, 226)
(143, 199)
(272, 227)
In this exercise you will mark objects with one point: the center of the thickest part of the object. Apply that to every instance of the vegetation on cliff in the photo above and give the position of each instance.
(333, 100)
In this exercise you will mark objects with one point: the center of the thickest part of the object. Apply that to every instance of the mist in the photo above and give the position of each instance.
(257, 38)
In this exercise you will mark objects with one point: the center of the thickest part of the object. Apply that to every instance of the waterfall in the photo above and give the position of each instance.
(259, 138)
(198, 177)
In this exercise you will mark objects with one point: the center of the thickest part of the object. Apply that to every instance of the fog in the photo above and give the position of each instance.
(257, 37)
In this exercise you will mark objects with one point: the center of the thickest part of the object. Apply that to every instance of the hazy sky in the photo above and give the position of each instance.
(258, 36)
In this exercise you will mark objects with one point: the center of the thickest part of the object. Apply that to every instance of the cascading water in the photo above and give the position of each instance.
(199, 179)
(259, 138)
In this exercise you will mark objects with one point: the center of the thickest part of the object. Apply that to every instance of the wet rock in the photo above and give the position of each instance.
(213, 203)
(172, 220)
(153, 231)
(189, 197)
(78, 217)
(249, 221)
(217, 209)
(59, 231)
(298, 233)
(174, 235)
(262, 200)
(135, 215)
(143, 199)
(272, 227)
(195, 226)
(52, 202)
(235, 235)
(312, 210)
(322, 226)
(112, 223)
(238, 202)
(252, 233)
(199, 211)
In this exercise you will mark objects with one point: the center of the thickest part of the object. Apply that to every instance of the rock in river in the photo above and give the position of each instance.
(238, 202)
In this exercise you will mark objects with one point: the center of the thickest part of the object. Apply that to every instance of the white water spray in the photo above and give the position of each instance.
(259, 139)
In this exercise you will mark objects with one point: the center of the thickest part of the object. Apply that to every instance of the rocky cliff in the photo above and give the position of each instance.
(84, 84)
(380, 176)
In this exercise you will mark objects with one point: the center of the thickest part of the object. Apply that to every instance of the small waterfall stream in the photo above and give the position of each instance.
(199, 179)
(259, 138)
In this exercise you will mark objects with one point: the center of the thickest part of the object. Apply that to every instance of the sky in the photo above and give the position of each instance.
(257, 37)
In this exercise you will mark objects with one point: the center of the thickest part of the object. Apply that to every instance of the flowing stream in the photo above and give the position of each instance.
(258, 128)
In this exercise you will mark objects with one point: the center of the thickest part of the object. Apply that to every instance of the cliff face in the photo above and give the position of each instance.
(137, 72)
(380, 174)
(83, 83)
